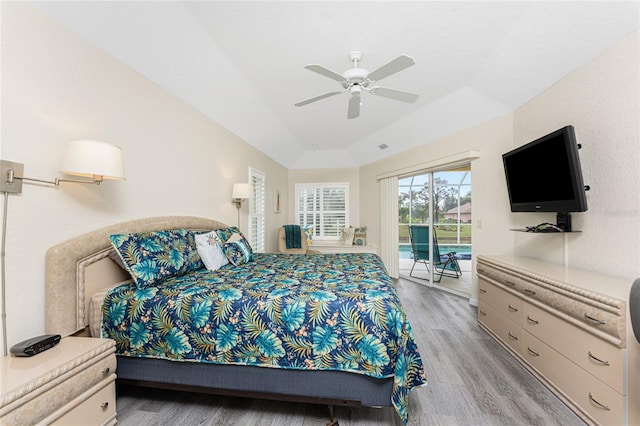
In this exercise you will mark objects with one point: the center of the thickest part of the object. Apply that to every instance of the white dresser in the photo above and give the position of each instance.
(72, 383)
(570, 328)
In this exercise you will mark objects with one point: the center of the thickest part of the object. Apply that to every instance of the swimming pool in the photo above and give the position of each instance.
(463, 252)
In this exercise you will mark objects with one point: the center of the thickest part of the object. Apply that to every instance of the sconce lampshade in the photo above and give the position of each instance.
(93, 158)
(242, 191)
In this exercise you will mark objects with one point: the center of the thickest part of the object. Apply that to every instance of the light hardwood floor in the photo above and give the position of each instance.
(472, 381)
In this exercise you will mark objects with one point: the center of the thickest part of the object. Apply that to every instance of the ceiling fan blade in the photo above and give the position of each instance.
(398, 95)
(397, 65)
(354, 107)
(316, 98)
(326, 72)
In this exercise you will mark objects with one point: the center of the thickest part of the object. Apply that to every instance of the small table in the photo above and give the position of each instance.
(71, 383)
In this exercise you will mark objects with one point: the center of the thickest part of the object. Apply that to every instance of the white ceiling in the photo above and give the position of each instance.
(242, 63)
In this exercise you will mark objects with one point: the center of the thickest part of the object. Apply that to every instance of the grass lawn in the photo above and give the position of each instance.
(446, 233)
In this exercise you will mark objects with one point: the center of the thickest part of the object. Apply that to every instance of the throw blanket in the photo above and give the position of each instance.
(292, 236)
(332, 312)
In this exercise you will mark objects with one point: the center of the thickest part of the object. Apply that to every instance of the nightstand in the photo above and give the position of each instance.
(72, 383)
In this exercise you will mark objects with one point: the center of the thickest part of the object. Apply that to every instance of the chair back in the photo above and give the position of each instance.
(419, 235)
(282, 243)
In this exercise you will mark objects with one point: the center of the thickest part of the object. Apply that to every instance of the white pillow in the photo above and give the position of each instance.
(346, 236)
(210, 250)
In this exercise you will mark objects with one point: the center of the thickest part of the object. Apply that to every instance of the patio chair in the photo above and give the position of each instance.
(443, 265)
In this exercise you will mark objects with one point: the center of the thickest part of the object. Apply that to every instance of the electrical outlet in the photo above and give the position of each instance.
(8, 183)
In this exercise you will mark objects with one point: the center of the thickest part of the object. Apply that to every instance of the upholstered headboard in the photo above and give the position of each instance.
(79, 267)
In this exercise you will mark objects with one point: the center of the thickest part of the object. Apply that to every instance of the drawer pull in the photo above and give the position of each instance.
(481, 312)
(531, 292)
(482, 290)
(509, 283)
(532, 321)
(481, 270)
(106, 370)
(595, 358)
(512, 337)
(512, 309)
(104, 405)
(532, 352)
(590, 318)
(598, 404)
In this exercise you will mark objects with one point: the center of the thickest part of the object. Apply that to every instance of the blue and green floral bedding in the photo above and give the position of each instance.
(318, 312)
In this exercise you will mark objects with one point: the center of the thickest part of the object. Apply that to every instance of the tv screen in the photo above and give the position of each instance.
(545, 175)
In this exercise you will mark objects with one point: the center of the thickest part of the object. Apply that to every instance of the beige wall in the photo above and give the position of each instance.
(489, 196)
(601, 100)
(350, 176)
(55, 87)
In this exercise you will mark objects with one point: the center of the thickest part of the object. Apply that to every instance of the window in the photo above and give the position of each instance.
(256, 211)
(324, 206)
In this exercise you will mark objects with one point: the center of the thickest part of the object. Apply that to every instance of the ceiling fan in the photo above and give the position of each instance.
(357, 79)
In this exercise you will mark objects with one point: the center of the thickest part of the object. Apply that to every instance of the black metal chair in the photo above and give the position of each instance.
(443, 265)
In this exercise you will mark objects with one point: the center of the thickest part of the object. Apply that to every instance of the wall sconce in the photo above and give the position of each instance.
(241, 192)
(93, 159)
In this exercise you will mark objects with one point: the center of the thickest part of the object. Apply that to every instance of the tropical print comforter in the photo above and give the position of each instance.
(318, 312)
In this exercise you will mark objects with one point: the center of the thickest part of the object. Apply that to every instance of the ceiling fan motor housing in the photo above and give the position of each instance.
(355, 76)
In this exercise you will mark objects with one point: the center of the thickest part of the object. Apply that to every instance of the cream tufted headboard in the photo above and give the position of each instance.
(77, 268)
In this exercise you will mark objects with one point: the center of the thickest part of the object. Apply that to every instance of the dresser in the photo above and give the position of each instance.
(570, 328)
(72, 383)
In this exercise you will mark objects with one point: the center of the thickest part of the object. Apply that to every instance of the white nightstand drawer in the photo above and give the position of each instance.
(42, 388)
(97, 406)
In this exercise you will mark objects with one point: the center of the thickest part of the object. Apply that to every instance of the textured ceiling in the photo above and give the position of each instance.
(242, 63)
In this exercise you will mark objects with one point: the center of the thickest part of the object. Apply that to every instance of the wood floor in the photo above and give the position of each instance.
(472, 381)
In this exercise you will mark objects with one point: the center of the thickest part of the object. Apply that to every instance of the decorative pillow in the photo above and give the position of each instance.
(151, 257)
(115, 256)
(226, 236)
(308, 231)
(238, 252)
(346, 236)
(360, 236)
(209, 248)
(225, 233)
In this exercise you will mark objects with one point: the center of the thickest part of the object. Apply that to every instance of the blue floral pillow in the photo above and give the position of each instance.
(226, 233)
(151, 257)
(238, 252)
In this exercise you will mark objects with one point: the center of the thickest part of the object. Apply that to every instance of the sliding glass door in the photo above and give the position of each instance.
(441, 200)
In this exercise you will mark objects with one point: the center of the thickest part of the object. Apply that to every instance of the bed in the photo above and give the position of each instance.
(323, 329)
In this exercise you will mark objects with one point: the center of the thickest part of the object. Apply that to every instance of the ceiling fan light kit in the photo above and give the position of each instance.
(356, 79)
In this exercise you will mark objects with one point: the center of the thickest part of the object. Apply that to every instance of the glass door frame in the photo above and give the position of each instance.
(431, 178)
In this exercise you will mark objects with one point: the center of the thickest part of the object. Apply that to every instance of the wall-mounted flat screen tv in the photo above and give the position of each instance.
(545, 175)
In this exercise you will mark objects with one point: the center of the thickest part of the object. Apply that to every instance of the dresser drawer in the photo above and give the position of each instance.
(504, 302)
(592, 316)
(97, 406)
(501, 277)
(594, 397)
(603, 360)
(506, 330)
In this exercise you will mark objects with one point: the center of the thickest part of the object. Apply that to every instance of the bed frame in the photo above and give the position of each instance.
(78, 268)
